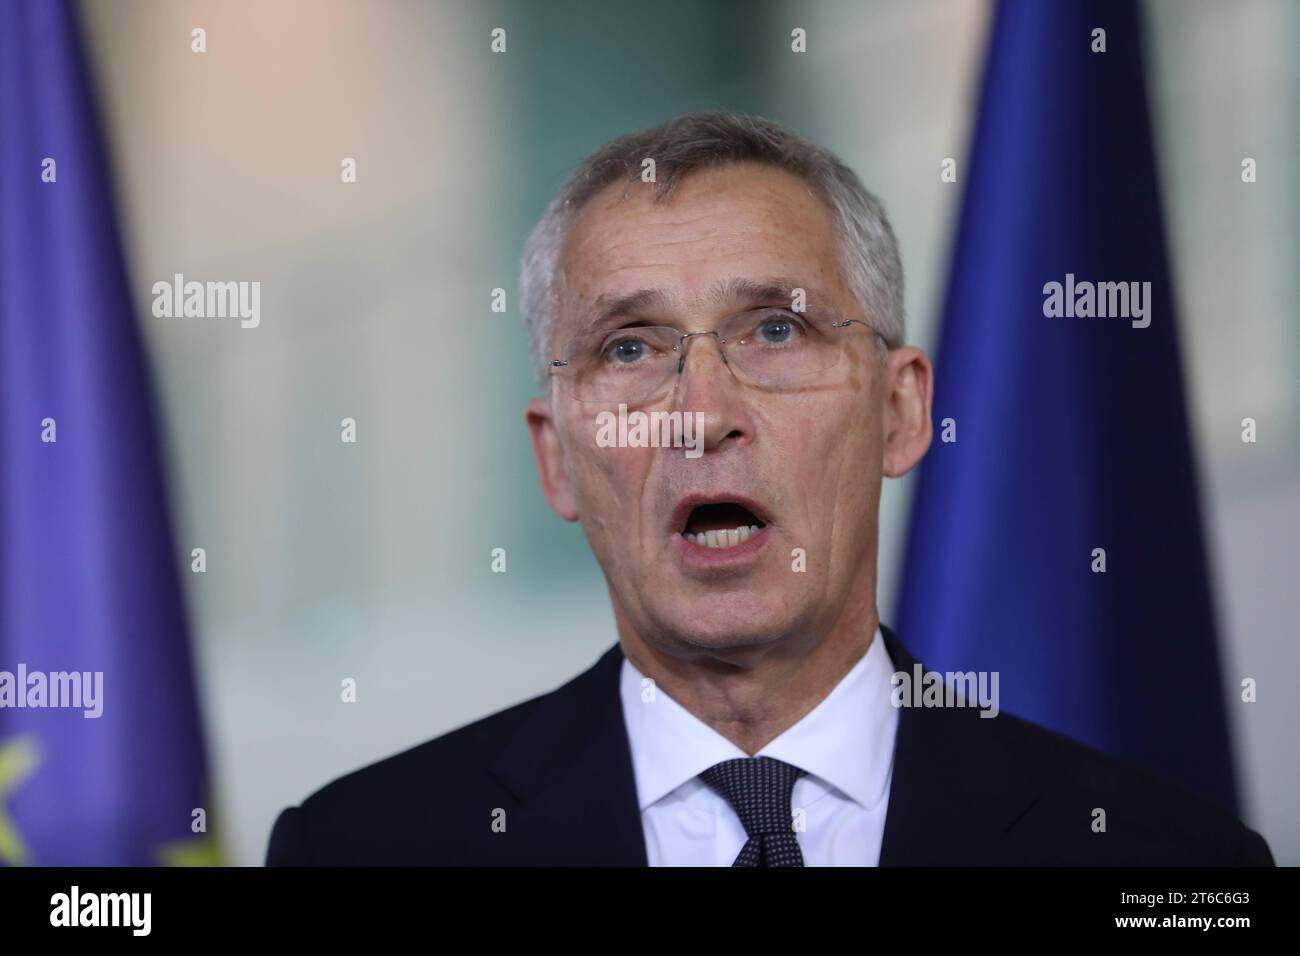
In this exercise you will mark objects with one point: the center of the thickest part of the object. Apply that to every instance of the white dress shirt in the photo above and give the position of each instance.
(845, 743)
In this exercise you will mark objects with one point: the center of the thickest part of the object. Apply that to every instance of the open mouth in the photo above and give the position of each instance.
(723, 524)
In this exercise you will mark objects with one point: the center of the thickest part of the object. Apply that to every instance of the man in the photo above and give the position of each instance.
(726, 270)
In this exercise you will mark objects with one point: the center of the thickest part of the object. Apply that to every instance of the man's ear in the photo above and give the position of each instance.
(557, 489)
(909, 390)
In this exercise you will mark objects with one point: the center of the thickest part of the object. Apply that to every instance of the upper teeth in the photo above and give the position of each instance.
(727, 538)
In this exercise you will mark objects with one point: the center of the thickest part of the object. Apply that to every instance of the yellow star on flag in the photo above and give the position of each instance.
(19, 757)
(200, 850)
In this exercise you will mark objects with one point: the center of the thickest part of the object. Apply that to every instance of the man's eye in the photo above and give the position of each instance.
(627, 351)
(776, 331)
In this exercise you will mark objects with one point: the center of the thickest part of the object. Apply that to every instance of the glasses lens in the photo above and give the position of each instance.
(622, 365)
(778, 346)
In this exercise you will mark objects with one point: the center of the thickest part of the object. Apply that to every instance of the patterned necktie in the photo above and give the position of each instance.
(759, 790)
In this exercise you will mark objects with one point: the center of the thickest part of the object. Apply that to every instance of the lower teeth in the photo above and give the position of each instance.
(728, 538)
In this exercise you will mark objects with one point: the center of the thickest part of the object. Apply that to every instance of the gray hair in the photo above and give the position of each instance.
(696, 141)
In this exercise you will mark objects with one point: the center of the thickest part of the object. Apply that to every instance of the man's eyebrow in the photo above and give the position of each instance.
(735, 290)
(608, 307)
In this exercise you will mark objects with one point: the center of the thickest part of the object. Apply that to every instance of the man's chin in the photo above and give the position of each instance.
(725, 624)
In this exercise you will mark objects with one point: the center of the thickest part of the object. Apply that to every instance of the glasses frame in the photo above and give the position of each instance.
(679, 347)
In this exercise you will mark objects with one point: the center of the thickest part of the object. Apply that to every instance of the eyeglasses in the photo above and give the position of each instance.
(766, 347)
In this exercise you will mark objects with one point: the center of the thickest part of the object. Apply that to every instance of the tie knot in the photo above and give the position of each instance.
(759, 789)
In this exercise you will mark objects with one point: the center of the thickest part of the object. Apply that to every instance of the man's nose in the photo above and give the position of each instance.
(707, 387)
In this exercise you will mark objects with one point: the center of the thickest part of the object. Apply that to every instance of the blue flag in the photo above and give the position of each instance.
(1055, 535)
(100, 753)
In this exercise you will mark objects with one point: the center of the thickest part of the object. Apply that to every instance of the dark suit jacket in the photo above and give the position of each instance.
(966, 791)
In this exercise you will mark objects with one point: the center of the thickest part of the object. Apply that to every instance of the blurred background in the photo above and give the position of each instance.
(372, 561)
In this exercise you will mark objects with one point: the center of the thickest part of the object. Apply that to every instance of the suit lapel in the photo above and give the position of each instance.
(955, 794)
(570, 768)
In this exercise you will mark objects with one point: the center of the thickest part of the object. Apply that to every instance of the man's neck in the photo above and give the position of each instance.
(753, 696)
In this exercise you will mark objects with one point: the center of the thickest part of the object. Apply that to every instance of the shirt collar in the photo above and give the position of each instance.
(847, 740)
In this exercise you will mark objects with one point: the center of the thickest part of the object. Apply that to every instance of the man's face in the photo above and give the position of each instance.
(801, 464)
